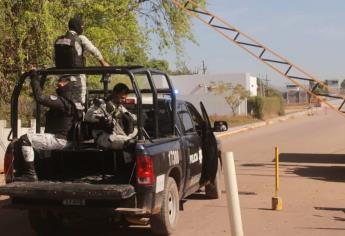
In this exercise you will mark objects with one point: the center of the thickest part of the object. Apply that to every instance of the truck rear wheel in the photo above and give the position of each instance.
(213, 190)
(44, 222)
(165, 222)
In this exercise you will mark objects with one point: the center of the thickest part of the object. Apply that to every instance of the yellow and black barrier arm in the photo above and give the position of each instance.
(278, 63)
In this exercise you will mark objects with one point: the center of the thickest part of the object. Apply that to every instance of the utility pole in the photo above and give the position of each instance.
(204, 68)
(260, 85)
(266, 89)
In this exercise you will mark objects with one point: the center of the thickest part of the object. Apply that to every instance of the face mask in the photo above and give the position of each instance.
(65, 91)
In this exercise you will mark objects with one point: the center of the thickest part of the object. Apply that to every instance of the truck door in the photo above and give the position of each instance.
(191, 142)
(209, 149)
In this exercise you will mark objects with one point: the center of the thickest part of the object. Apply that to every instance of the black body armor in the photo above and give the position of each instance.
(66, 55)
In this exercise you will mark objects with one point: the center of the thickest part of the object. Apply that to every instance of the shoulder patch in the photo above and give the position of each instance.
(53, 98)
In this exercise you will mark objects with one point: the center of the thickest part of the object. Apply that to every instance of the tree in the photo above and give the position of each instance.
(182, 69)
(234, 94)
(121, 29)
(158, 64)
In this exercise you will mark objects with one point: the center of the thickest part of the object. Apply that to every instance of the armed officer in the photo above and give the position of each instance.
(58, 127)
(114, 127)
(69, 53)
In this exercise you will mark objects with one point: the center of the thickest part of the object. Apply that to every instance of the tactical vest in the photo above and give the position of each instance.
(62, 123)
(66, 55)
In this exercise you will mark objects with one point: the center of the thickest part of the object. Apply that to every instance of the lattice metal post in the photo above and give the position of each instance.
(278, 63)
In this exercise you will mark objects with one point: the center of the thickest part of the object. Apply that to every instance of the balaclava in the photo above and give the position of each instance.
(76, 24)
(66, 91)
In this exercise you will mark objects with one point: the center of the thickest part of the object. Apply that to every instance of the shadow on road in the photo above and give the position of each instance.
(324, 173)
(312, 158)
(319, 172)
(337, 218)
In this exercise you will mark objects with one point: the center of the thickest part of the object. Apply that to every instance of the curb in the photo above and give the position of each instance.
(240, 129)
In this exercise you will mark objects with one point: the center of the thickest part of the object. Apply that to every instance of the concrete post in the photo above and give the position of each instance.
(2, 143)
(32, 126)
(19, 127)
(2, 126)
(234, 209)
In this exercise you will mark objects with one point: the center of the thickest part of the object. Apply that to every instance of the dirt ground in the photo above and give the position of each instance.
(312, 180)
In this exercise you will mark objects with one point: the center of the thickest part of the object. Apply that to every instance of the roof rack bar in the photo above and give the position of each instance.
(155, 103)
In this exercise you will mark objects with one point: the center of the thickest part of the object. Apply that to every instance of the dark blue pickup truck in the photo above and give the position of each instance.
(176, 154)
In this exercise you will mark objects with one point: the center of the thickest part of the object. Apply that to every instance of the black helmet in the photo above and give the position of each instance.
(76, 24)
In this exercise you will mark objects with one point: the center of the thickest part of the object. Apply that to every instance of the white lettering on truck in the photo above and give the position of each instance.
(174, 158)
(195, 157)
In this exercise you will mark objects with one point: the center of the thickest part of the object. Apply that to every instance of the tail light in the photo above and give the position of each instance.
(8, 164)
(145, 172)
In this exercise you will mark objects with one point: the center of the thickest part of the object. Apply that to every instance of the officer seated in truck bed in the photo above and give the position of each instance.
(113, 123)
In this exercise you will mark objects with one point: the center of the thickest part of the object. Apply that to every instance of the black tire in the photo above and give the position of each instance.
(165, 222)
(44, 222)
(213, 190)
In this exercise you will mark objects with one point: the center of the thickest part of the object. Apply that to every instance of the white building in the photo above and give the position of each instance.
(196, 88)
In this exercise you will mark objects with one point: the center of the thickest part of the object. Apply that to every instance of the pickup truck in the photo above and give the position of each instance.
(176, 154)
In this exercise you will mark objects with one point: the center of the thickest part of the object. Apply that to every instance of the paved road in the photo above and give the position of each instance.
(312, 186)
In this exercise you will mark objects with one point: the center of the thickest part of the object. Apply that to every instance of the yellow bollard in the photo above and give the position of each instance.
(277, 202)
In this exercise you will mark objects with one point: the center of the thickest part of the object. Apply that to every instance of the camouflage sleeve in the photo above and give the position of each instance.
(88, 46)
(94, 113)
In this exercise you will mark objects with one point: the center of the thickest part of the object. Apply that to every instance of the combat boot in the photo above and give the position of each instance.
(28, 173)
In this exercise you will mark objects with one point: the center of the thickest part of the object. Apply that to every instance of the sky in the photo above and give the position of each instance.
(309, 33)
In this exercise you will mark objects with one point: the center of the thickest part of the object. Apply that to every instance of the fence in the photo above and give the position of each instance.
(4, 132)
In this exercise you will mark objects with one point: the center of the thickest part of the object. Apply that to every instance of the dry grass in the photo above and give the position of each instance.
(234, 120)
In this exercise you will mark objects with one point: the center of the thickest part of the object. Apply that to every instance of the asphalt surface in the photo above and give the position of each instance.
(312, 185)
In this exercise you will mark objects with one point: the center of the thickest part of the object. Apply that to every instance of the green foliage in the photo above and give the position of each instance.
(162, 65)
(182, 69)
(263, 107)
(255, 107)
(233, 120)
(121, 29)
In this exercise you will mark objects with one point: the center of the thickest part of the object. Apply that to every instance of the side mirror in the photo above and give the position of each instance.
(220, 126)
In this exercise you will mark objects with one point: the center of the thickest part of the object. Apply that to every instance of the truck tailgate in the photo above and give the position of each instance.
(63, 190)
